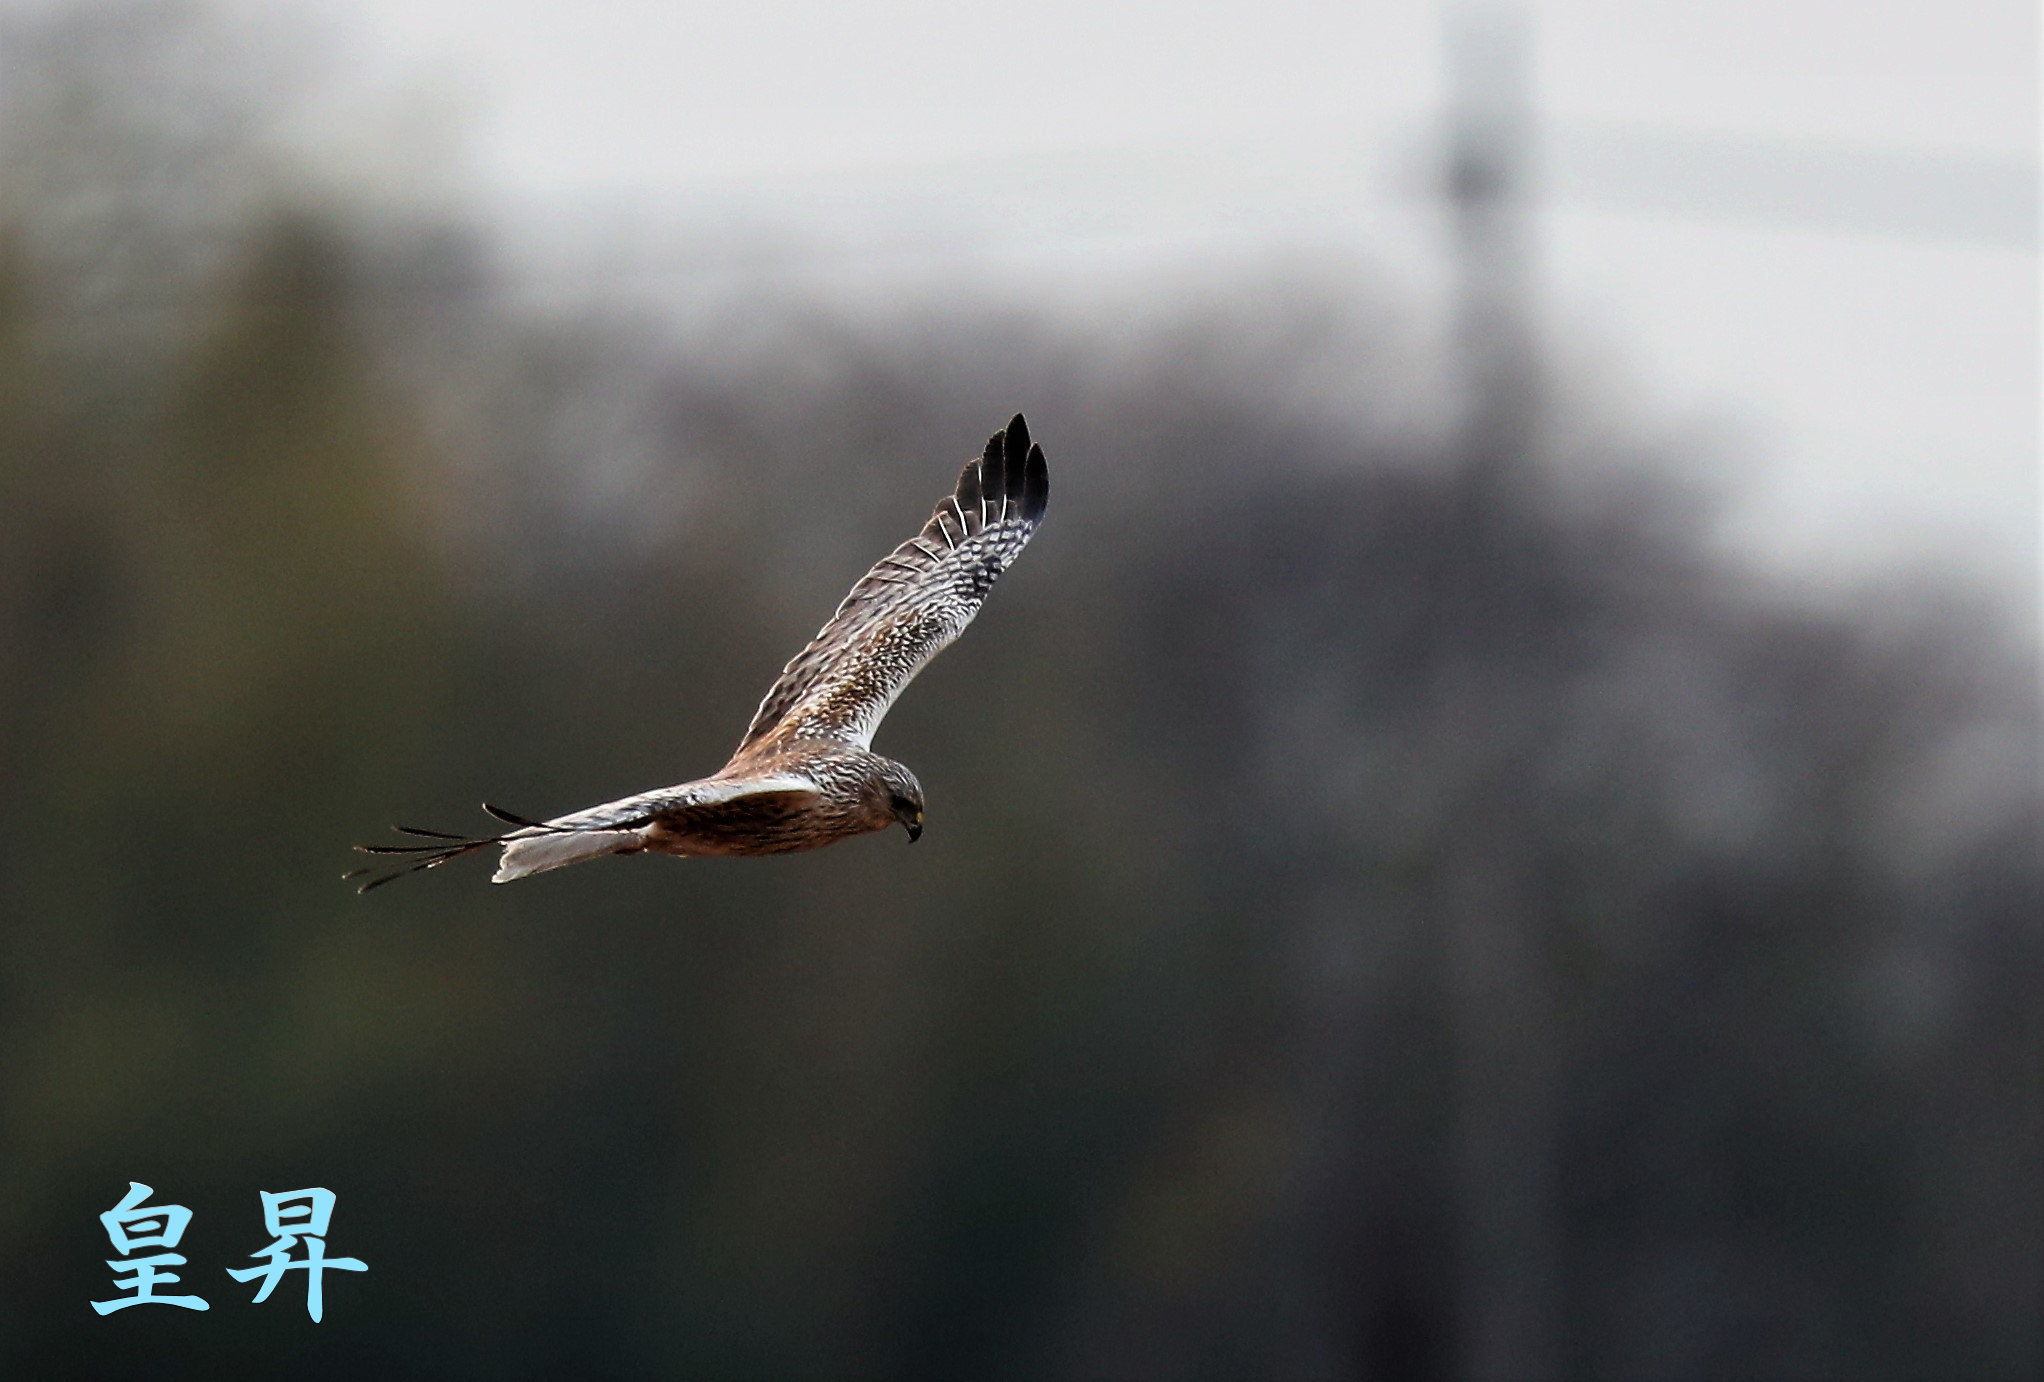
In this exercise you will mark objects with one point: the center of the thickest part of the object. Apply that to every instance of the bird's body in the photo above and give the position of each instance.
(800, 794)
(805, 775)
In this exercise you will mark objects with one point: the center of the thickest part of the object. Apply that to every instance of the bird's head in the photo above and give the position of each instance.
(903, 796)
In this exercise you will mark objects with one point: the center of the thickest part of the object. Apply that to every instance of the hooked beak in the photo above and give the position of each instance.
(915, 828)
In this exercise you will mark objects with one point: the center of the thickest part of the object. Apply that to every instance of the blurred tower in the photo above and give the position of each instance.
(1486, 182)
(1499, 981)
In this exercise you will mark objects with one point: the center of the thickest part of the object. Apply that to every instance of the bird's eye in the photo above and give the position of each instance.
(902, 803)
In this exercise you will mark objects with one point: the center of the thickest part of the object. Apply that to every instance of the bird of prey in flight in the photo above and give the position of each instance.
(805, 774)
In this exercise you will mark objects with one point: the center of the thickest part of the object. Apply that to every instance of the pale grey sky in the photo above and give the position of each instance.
(1883, 386)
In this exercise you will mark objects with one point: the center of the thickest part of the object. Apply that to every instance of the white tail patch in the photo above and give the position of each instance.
(539, 853)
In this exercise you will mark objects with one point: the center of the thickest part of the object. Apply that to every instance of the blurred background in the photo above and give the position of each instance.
(1492, 835)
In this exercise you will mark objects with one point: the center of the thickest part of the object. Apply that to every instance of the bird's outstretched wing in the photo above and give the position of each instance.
(913, 603)
(615, 827)
(666, 803)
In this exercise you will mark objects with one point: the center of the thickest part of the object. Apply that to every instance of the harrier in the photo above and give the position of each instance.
(805, 774)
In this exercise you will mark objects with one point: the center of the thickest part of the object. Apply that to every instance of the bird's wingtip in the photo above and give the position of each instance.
(1015, 441)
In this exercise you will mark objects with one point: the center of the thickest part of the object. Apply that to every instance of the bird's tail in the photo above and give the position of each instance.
(538, 853)
(534, 847)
